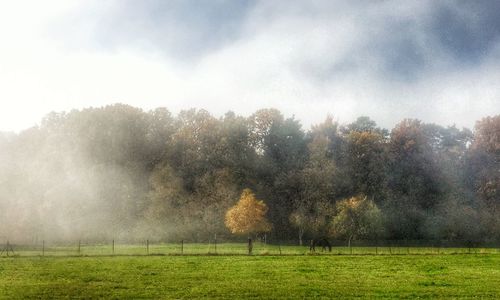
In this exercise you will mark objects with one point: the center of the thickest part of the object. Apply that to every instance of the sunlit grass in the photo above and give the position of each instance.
(236, 277)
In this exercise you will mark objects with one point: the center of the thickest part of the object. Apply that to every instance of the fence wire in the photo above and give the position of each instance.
(212, 247)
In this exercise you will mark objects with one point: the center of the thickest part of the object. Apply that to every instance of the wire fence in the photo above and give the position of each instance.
(212, 247)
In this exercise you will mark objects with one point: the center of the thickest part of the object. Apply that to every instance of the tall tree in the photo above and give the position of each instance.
(366, 164)
(485, 161)
(281, 149)
(314, 201)
(415, 180)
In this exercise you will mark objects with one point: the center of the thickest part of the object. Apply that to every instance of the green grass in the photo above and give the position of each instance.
(235, 277)
(228, 249)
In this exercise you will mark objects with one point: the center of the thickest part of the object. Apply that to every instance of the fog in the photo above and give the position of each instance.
(118, 172)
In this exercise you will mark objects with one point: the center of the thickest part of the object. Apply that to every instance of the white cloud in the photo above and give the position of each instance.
(338, 59)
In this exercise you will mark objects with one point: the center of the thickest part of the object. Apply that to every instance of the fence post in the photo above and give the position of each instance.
(113, 247)
(79, 246)
(215, 243)
(147, 247)
(43, 248)
(250, 246)
(182, 246)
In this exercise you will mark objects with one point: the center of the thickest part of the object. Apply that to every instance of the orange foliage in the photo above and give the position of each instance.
(248, 215)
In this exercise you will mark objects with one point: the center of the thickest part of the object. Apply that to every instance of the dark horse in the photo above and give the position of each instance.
(322, 242)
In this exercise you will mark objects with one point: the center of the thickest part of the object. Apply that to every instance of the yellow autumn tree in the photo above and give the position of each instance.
(248, 215)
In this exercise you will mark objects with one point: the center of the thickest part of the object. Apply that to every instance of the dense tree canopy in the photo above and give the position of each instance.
(121, 172)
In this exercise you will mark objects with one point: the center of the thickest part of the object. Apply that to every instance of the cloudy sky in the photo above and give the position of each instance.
(438, 61)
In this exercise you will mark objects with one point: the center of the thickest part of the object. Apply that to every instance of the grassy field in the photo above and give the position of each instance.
(267, 276)
(226, 249)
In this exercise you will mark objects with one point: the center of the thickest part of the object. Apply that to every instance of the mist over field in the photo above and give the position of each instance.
(374, 120)
(119, 172)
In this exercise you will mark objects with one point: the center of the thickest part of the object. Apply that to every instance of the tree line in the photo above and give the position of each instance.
(118, 171)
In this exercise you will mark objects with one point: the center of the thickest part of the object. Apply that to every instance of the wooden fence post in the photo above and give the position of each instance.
(79, 246)
(147, 247)
(250, 246)
(182, 246)
(113, 247)
(43, 248)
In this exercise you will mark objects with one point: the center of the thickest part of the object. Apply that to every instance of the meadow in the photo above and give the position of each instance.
(78, 248)
(230, 274)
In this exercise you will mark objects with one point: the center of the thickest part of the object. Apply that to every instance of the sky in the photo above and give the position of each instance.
(437, 61)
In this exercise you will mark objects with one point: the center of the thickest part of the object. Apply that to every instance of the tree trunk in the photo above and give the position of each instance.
(301, 234)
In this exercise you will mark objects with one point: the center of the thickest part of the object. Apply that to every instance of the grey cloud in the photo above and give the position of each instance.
(390, 59)
(399, 46)
(439, 37)
(180, 29)
(468, 30)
